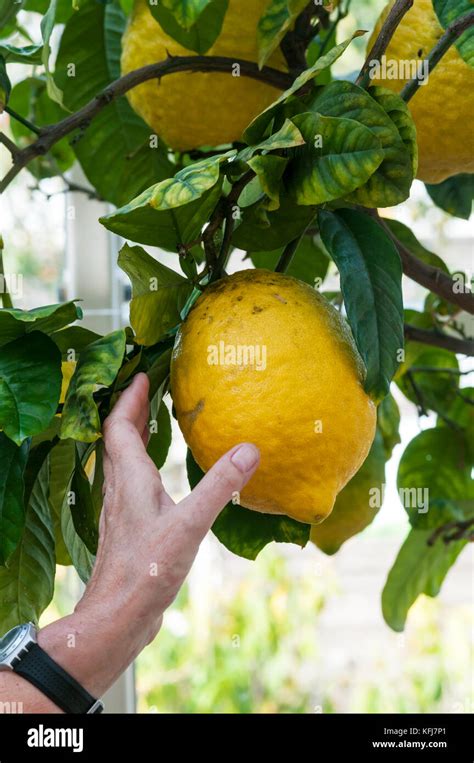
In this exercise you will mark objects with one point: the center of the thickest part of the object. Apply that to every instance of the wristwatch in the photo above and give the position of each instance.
(20, 652)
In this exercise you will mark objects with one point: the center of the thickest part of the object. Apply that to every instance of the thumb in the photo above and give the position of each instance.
(228, 476)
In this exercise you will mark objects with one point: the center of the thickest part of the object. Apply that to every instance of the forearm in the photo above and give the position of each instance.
(94, 647)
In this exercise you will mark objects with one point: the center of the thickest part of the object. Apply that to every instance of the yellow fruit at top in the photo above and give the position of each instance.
(442, 108)
(265, 358)
(193, 109)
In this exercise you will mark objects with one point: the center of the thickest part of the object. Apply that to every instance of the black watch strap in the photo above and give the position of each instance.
(37, 667)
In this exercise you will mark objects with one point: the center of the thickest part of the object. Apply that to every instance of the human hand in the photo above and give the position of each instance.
(147, 542)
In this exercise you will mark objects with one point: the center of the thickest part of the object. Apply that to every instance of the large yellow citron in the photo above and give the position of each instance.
(441, 109)
(356, 506)
(265, 358)
(193, 109)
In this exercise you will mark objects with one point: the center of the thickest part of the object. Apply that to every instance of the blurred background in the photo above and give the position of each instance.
(296, 631)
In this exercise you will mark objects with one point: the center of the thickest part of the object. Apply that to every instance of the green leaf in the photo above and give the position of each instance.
(27, 583)
(275, 229)
(64, 8)
(16, 323)
(160, 440)
(62, 462)
(371, 273)
(202, 35)
(448, 11)
(435, 472)
(159, 371)
(388, 420)
(277, 19)
(399, 113)
(309, 263)
(73, 340)
(30, 98)
(8, 11)
(26, 54)
(188, 185)
(287, 136)
(461, 412)
(269, 170)
(159, 294)
(167, 229)
(30, 385)
(409, 240)
(115, 151)
(418, 568)
(454, 195)
(428, 388)
(47, 25)
(5, 84)
(257, 128)
(98, 364)
(82, 559)
(83, 509)
(340, 155)
(12, 488)
(246, 532)
(391, 183)
(186, 12)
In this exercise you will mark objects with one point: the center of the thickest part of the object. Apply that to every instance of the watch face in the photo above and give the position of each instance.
(10, 641)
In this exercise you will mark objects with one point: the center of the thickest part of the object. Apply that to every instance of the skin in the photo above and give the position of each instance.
(147, 546)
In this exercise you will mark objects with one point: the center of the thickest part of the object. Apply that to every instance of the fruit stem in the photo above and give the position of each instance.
(381, 44)
(285, 260)
(22, 120)
(452, 33)
(6, 299)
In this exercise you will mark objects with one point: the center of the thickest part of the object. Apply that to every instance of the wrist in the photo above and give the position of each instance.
(94, 645)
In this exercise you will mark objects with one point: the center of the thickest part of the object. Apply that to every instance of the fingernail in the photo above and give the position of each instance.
(245, 457)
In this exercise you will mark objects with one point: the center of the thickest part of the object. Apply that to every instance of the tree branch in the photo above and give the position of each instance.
(296, 40)
(81, 119)
(452, 33)
(461, 530)
(439, 339)
(431, 278)
(381, 44)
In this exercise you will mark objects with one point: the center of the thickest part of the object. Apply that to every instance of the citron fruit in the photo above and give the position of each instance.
(264, 358)
(442, 108)
(193, 109)
(355, 506)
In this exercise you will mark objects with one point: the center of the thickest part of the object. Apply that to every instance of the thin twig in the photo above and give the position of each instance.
(382, 42)
(51, 134)
(438, 339)
(459, 533)
(6, 298)
(288, 253)
(422, 410)
(223, 212)
(452, 33)
(296, 40)
(430, 277)
(12, 147)
(25, 122)
(434, 370)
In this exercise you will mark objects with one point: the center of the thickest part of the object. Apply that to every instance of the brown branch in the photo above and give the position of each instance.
(296, 40)
(430, 277)
(223, 212)
(81, 119)
(439, 339)
(382, 42)
(452, 33)
(461, 530)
